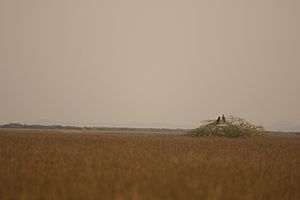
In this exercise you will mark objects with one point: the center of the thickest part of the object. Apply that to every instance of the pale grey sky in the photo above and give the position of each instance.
(140, 62)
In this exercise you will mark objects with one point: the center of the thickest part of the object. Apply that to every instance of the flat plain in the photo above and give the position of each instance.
(54, 164)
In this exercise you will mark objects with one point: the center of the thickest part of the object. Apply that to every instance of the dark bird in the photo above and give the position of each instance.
(218, 120)
(223, 118)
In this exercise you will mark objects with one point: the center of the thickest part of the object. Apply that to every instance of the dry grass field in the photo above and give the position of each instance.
(40, 164)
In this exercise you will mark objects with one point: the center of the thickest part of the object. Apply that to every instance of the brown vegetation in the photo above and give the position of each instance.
(37, 164)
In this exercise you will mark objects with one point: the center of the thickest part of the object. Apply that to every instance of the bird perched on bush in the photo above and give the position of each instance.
(223, 118)
(218, 120)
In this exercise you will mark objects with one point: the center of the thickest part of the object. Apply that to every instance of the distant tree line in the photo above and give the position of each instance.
(61, 127)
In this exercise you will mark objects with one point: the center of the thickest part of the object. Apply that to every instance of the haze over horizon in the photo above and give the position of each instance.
(149, 62)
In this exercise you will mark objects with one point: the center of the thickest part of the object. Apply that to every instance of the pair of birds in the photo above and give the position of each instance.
(219, 118)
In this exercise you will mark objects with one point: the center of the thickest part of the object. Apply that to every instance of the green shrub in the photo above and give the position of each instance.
(233, 127)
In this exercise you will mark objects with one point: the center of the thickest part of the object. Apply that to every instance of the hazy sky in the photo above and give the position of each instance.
(143, 62)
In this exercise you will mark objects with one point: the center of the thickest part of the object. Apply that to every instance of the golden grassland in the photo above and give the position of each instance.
(40, 164)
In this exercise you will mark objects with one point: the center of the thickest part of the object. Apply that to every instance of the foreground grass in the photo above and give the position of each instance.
(73, 165)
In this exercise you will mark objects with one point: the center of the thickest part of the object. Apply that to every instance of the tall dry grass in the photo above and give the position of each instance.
(37, 165)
